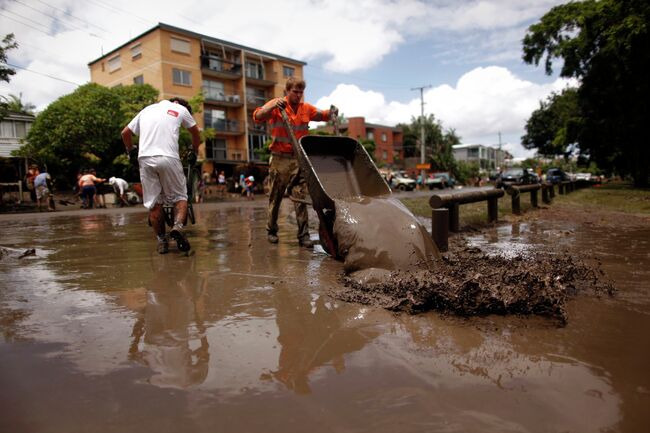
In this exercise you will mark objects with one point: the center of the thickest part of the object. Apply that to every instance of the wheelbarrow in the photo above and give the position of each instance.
(168, 208)
(335, 168)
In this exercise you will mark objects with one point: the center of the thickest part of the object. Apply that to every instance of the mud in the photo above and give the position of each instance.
(470, 282)
(379, 235)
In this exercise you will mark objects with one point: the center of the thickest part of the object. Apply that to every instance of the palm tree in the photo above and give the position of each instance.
(15, 104)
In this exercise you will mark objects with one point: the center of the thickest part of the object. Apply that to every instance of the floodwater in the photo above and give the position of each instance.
(100, 333)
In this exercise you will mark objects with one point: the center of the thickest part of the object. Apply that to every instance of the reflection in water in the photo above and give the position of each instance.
(313, 333)
(169, 335)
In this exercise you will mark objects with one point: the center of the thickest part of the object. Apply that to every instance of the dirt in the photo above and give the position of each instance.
(469, 282)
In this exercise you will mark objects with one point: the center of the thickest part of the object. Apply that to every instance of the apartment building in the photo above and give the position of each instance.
(488, 158)
(233, 78)
(388, 140)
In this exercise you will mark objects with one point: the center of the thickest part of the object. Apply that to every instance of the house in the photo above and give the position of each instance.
(388, 140)
(488, 158)
(234, 79)
(13, 128)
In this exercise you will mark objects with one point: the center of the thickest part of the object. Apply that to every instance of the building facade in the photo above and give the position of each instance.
(488, 158)
(234, 80)
(13, 129)
(388, 140)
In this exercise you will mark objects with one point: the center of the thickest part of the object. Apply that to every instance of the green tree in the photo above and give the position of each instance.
(6, 72)
(438, 142)
(605, 45)
(553, 128)
(7, 44)
(82, 130)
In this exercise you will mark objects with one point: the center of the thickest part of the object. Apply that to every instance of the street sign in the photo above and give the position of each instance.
(423, 166)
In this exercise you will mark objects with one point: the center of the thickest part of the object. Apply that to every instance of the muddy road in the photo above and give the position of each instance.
(100, 333)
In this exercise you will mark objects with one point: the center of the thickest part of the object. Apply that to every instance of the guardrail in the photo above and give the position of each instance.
(445, 213)
(515, 191)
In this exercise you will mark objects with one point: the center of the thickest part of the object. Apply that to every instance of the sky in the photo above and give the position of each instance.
(367, 57)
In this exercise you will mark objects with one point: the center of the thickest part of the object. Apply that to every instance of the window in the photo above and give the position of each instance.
(138, 80)
(114, 64)
(370, 135)
(181, 77)
(216, 149)
(213, 90)
(136, 51)
(180, 45)
(472, 152)
(7, 129)
(288, 71)
(20, 129)
(255, 142)
(385, 155)
(215, 119)
(254, 70)
(384, 137)
(255, 97)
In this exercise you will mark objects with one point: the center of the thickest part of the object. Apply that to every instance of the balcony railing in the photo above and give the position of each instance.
(218, 96)
(255, 101)
(223, 125)
(268, 78)
(257, 128)
(220, 66)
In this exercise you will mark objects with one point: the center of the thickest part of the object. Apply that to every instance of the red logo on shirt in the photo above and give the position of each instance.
(172, 113)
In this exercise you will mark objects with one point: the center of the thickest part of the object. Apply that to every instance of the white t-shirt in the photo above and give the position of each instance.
(119, 185)
(158, 126)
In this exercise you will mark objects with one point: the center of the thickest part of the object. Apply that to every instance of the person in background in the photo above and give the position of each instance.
(221, 183)
(32, 172)
(119, 187)
(249, 183)
(43, 188)
(100, 191)
(283, 165)
(88, 189)
(161, 170)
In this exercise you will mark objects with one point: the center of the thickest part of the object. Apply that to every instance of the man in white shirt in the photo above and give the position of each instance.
(119, 188)
(161, 170)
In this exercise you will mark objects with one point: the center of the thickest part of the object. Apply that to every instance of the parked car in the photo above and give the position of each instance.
(516, 176)
(402, 182)
(585, 177)
(447, 179)
(556, 175)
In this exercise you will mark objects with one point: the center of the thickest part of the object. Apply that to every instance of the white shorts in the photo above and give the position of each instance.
(163, 180)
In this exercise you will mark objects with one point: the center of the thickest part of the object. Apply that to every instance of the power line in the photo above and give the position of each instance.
(66, 26)
(77, 18)
(25, 18)
(43, 74)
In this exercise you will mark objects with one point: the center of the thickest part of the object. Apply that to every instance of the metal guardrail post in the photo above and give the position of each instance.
(454, 217)
(545, 198)
(516, 202)
(493, 209)
(440, 228)
(533, 198)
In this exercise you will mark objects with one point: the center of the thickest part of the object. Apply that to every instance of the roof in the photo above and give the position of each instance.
(192, 34)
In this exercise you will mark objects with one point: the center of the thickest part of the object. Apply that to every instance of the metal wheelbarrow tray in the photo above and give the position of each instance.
(336, 168)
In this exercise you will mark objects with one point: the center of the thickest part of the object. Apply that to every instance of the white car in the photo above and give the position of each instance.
(401, 182)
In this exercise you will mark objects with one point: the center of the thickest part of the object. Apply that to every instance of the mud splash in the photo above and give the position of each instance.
(471, 283)
(379, 235)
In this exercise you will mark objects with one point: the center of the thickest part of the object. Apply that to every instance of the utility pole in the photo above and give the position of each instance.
(422, 159)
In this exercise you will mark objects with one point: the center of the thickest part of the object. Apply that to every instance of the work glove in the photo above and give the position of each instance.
(191, 158)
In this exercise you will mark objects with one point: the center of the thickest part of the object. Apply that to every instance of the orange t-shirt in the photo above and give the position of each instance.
(299, 122)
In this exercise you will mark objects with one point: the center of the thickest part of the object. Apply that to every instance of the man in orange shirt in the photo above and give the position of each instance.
(283, 165)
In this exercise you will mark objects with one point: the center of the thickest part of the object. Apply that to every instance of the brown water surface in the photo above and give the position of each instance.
(99, 333)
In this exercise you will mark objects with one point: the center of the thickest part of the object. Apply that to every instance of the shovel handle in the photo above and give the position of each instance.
(287, 126)
(335, 121)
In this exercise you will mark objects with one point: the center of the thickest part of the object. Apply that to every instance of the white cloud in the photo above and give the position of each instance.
(483, 103)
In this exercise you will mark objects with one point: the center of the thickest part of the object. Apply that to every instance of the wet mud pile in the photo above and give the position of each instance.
(471, 282)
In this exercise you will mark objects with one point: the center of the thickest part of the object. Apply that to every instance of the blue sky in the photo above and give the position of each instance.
(364, 56)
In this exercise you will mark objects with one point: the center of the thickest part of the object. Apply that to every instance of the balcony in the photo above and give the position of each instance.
(217, 67)
(219, 98)
(257, 128)
(253, 101)
(262, 79)
(224, 126)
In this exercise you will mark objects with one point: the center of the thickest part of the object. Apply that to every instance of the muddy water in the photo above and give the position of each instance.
(99, 333)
